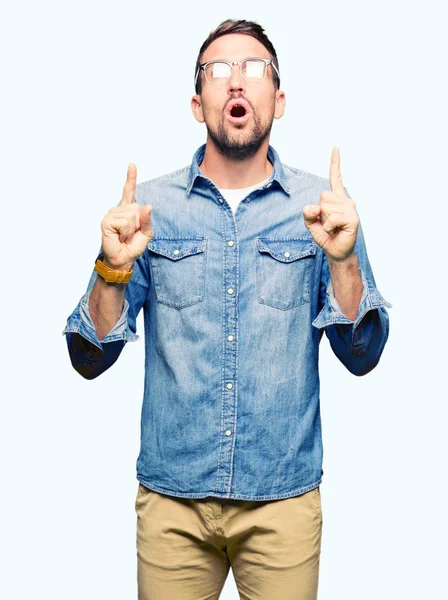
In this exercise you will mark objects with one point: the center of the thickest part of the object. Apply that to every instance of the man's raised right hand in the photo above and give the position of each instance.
(127, 228)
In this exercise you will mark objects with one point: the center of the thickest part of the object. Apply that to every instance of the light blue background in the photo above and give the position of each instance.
(86, 89)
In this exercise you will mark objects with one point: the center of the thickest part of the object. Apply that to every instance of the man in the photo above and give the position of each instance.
(240, 263)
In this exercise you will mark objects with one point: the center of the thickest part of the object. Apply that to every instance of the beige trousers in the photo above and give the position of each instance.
(185, 546)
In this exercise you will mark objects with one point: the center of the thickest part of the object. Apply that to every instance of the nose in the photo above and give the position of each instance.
(236, 82)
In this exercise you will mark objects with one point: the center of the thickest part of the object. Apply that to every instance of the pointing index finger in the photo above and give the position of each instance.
(335, 173)
(130, 185)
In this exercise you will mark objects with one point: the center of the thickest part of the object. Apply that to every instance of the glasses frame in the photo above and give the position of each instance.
(267, 61)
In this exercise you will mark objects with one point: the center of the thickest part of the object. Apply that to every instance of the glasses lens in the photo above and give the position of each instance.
(254, 70)
(217, 73)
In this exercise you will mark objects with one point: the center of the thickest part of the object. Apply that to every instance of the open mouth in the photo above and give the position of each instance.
(238, 111)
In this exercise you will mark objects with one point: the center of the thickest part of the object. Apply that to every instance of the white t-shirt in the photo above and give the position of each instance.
(234, 197)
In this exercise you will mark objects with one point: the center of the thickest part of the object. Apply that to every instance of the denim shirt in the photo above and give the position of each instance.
(235, 306)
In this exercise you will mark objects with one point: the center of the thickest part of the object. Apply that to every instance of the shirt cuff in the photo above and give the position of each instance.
(331, 313)
(81, 322)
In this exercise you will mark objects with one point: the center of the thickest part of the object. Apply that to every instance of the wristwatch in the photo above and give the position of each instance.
(112, 275)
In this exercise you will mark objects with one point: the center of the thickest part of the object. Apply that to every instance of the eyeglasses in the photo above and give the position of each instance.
(253, 70)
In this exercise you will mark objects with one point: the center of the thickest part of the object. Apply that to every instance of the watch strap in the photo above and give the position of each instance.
(112, 275)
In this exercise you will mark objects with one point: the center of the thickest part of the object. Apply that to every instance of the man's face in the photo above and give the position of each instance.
(235, 138)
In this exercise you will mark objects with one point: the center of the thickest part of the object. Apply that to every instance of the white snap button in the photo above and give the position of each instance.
(287, 254)
(176, 251)
(228, 432)
(230, 291)
(230, 338)
(230, 243)
(229, 386)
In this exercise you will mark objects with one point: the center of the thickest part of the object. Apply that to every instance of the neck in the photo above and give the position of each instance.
(232, 174)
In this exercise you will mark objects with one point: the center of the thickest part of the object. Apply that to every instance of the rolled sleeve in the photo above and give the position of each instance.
(90, 356)
(81, 322)
(332, 314)
(357, 343)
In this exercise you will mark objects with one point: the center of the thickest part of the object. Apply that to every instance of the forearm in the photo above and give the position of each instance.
(347, 284)
(106, 305)
(98, 329)
(356, 339)
(352, 310)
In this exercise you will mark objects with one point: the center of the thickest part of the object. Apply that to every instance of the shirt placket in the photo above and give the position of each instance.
(229, 384)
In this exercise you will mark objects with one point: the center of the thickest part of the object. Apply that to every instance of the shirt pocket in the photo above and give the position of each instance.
(178, 270)
(285, 271)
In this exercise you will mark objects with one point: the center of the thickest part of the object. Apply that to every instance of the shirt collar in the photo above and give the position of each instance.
(278, 174)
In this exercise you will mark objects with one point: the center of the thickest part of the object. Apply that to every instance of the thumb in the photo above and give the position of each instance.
(314, 225)
(142, 236)
(145, 218)
(310, 213)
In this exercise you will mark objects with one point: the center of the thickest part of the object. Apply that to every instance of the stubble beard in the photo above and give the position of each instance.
(242, 148)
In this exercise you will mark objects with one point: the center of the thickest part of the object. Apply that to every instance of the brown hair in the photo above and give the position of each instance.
(238, 26)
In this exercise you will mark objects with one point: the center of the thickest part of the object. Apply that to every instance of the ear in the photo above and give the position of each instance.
(196, 108)
(280, 103)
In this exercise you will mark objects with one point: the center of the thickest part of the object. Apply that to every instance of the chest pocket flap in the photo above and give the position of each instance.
(287, 250)
(285, 269)
(177, 248)
(178, 268)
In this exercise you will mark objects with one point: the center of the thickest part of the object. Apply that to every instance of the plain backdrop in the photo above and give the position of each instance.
(89, 87)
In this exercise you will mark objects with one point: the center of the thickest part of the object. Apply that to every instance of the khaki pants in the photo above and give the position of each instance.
(185, 546)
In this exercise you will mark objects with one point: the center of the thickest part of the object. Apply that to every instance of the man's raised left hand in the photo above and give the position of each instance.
(333, 222)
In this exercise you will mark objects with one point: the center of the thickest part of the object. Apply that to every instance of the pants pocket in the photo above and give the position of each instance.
(142, 492)
(317, 500)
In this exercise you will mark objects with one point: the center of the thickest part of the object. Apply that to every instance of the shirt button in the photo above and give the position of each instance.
(221, 200)
(230, 243)
(176, 252)
(229, 386)
(287, 254)
(269, 184)
(230, 338)
(230, 291)
(228, 432)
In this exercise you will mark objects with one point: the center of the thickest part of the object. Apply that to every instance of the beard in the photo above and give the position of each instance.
(239, 149)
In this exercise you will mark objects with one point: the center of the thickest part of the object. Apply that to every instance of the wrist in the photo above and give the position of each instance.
(126, 267)
(123, 267)
(348, 262)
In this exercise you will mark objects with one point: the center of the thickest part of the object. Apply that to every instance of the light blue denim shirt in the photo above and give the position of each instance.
(235, 306)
